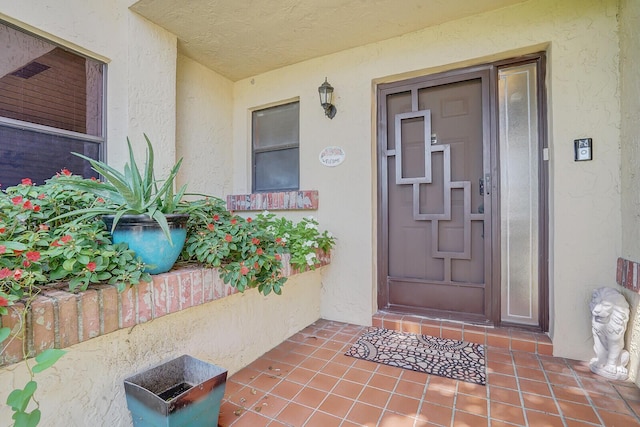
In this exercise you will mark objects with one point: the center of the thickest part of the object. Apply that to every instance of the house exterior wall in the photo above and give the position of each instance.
(141, 58)
(630, 155)
(203, 128)
(581, 41)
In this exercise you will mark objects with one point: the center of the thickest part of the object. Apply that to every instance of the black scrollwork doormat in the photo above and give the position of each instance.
(436, 356)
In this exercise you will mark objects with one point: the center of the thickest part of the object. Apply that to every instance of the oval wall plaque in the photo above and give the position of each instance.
(332, 156)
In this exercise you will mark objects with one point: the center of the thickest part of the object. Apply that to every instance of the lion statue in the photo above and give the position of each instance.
(610, 313)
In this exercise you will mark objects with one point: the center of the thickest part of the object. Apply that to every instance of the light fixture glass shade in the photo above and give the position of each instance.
(326, 99)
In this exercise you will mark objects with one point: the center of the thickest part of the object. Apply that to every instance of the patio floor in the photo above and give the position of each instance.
(307, 381)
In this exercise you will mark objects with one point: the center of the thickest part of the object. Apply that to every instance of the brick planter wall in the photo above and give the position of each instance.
(59, 319)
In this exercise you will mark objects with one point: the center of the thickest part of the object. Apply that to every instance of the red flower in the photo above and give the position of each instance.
(278, 257)
(66, 238)
(93, 178)
(4, 273)
(66, 172)
(99, 200)
(210, 227)
(43, 227)
(91, 266)
(41, 196)
(17, 252)
(216, 217)
(36, 208)
(28, 205)
(259, 251)
(228, 238)
(244, 270)
(234, 221)
(17, 200)
(256, 265)
(33, 256)
(26, 263)
(255, 241)
(17, 274)
(4, 302)
(26, 181)
(3, 249)
(55, 243)
(2, 230)
(278, 239)
(249, 219)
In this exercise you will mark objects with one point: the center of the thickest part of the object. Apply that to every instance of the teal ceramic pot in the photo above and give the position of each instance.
(145, 237)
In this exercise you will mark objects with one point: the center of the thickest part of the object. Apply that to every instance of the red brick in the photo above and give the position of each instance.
(159, 294)
(66, 315)
(186, 290)
(145, 302)
(173, 293)
(13, 352)
(89, 314)
(197, 287)
(128, 307)
(42, 325)
(619, 270)
(208, 284)
(629, 277)
(636, 282)
(108, 303)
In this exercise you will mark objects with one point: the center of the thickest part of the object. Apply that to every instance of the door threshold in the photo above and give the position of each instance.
(510, 338)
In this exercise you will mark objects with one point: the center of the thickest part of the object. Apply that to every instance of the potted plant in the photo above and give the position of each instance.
(137, 209)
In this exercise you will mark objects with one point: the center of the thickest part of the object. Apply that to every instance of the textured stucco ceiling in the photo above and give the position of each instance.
(242, 38)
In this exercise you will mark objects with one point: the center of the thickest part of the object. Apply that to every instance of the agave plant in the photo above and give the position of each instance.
(132, 192)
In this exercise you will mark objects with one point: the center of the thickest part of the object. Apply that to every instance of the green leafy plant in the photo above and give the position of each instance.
(132, 192)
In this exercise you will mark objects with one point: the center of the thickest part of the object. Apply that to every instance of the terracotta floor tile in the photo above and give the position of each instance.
(439, 396)
(245, 376)
(310, 397)
(265, 382)
(390, 419)
(320, 419)
(323, 382)
(578, 412)
(472, 404)
(559, 379)
(294, 414)
(383, 382)
(403, 404)
(246, 397)
(541, 419)
(461, 418)
(500, 368)
(409, 388)
(616, 419)
(572, 394)
(539, 403)
(324, 353)
(335, 369)
(530, 373)
(611, 403)
(312, 363)
(510, 413)
(364, 414)
(251, 419)
(293, 359)
(504, 395)
(417, 377)
(356, 375)
(270, 405)
(436, 414)
(472, 389)
(535, 387)
(374, 396)
(286, 389)
(347, 389)
(392, 371)
(336, 405)
(505, 381)
(304, 349)
(300, 375)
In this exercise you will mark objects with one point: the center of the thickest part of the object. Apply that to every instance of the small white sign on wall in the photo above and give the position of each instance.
(332, 156)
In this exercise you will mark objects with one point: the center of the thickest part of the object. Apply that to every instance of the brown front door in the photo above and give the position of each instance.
(436, 196)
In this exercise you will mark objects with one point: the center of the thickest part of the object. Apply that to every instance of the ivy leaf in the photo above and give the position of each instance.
(47, 358)
(19, 399)
(27, 419)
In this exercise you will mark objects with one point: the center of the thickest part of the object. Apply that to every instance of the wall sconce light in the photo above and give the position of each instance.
(326, 96)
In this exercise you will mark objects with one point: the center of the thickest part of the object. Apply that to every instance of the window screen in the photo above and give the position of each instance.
(275, 140)
(51, 104)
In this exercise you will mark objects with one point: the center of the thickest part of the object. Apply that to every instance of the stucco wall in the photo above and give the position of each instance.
(582, 44)
(630, 155)
(203, 134)
(85, 387)
(141, 58)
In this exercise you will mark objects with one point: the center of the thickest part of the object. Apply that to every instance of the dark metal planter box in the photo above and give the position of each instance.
(182, 392)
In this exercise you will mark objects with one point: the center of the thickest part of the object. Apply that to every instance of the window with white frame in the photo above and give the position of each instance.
(51, 104)
(275, 148)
